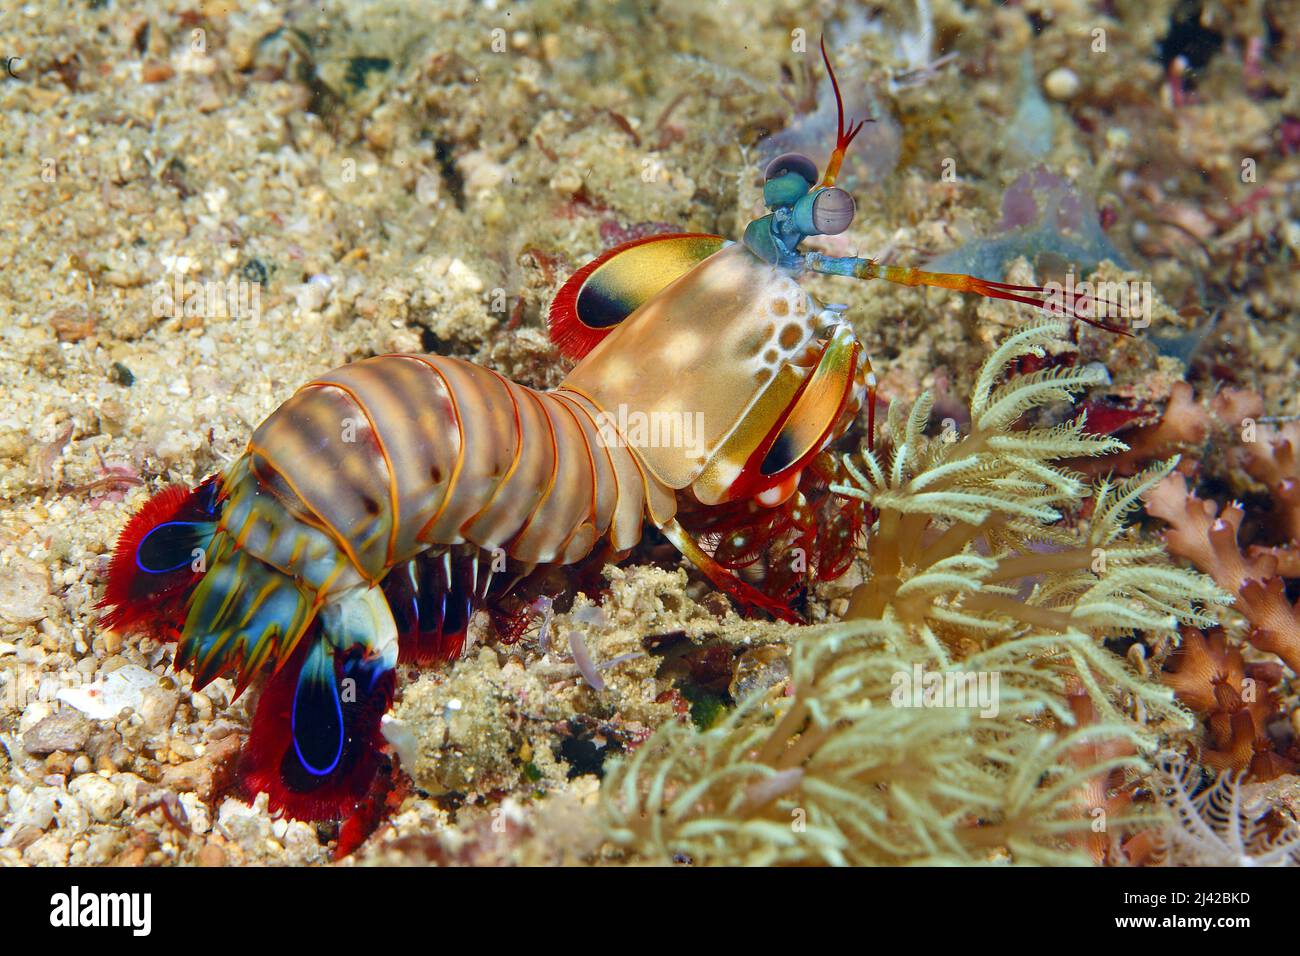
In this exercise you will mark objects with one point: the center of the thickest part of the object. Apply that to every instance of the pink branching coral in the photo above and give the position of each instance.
(1209, 672)
(1274, 460)
(1208, 538)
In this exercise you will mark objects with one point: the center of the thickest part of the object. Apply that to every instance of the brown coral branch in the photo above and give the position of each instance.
(1199, 533)
(1236, 699)
(1274, 459)
(1182, 429)
(1208, 539)
(1104, 796)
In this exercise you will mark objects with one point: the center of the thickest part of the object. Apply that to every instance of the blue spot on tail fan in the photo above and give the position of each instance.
(317, 720)
(170, 546)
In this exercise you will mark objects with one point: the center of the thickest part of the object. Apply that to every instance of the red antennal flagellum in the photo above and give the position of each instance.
(843, 136)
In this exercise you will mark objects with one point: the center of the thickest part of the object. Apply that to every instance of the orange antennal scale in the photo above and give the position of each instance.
(843, 136)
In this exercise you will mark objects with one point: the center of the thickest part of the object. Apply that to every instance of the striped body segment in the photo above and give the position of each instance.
(365, 522)
(372, 464)
(449, 452)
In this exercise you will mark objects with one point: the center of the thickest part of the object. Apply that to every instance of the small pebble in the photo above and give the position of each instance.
(23, 595)
(58, 763)
(24, 836)
(158, 707)
(102, 798)
(427, 189)
(119, 374)
(1061, 84)
(49, 850)
(211, 855)
(67, 731)
(154, 72)
(124, 687)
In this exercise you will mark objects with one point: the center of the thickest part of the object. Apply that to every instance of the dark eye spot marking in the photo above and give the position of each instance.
(780, 456)
(600, 308)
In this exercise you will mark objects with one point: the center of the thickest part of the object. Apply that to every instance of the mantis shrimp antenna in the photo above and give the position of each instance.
(843, 137)
(1059, 300)
(1067, 302)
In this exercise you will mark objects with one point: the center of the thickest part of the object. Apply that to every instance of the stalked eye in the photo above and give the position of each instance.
(791, 163)
(832, 211)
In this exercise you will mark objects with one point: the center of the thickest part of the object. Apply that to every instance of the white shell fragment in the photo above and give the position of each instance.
(104, 699)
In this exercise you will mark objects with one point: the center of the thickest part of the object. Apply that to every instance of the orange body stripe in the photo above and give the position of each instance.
(388, 463)
(591, 463)
(550, 485)
(460, 450)
(328, 528)
(514, 464)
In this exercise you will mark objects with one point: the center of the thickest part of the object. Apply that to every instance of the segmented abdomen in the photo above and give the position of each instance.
(392, 455)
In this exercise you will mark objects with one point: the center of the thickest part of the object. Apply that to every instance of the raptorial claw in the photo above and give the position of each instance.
(746, 594)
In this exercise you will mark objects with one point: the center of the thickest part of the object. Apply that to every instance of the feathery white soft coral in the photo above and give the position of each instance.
(1221, 825)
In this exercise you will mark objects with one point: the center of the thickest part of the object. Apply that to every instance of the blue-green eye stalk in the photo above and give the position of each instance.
(826, 211)
(787, 179)
(796, 214)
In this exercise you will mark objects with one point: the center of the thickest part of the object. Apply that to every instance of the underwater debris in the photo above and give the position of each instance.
(1043, 215)
(972, 569)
